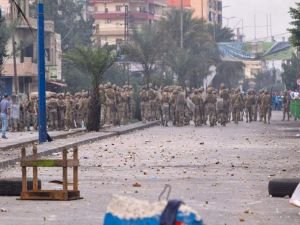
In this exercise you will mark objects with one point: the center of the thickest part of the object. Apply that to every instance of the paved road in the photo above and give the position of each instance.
(222, 172)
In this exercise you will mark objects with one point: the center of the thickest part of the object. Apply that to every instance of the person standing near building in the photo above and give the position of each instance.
(5, 114)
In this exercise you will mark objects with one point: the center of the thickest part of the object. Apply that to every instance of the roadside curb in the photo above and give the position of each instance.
(54, 149)
(33, 140)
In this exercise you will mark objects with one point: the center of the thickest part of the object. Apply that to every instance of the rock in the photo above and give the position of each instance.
(137, 185)
(201, 143)
(3, 210)
(242, 220)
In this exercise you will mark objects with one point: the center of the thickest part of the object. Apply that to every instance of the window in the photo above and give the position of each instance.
(107, 21)
(220, 6)
(118, 8)
(219, 19)
(106, 10)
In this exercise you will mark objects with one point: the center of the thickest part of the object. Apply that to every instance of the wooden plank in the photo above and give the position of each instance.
(49, 163)
(65, 174)
(50, 195)
(24, 172)
(75, 169)
(35, 169)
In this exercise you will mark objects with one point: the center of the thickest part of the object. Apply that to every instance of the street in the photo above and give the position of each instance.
(222, 172)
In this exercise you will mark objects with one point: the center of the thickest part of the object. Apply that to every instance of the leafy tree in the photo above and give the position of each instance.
(229, 73)
(290, 72)
(144, 47)
(94, 62)
(295, 31)
(199, 49)
(220, 33)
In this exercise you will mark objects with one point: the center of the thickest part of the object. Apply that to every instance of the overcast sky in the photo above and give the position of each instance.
(248, 9)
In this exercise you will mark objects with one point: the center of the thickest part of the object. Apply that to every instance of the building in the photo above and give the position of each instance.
(114, 19)
(26, 54)
(209, 10)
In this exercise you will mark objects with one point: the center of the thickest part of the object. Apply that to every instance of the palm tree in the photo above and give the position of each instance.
(93, 61)
(199, 49)
(144, 47)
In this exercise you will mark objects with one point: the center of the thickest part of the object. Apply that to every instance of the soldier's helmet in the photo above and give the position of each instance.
(166, 89)
(150, 85)
(201, 89)
(108, 85)
(130, 87)
(68, 94)
(222, 86)
(196, 91)
(214, 92)
(209, 90)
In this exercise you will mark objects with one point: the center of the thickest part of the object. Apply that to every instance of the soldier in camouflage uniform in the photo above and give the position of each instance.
(61, 110)
(173, 97)
(249, 102)
(110, 97)
(102, 104)
(69, 112)
(266, 104)
(144, 100)
(52, 110)
(165, 106)
(31, 112)
(210, 103)
(237, 103)
(180, 108)
(286, 106)
(152, 102)
(224, 94)
(198, 102)
(259, 104)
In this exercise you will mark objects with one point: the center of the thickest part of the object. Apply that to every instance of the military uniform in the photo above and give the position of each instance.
(237, 102)
(69, 112)
(249, 102)
(61, 110)
(286, 106)
(210, 103)
(266, 105)
(165, 106)
(52, 113)
(180, 109)
(198, 102)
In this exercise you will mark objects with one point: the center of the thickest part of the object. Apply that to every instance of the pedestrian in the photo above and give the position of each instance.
(5, 114)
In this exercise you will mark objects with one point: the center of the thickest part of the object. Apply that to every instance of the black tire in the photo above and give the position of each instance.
(13, 186)
(283, 187)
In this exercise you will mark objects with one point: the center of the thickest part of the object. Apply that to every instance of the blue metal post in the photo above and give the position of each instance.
(41, 75)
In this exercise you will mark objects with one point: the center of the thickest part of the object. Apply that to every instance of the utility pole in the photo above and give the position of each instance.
(255, 27)
(41, 74)
(15, 77)
(181, 24)
(267, 26)
(126, 24)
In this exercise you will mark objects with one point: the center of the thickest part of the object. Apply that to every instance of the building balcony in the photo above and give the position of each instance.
(111, 32)
(49, 25)
(25, 69)
(121, 15)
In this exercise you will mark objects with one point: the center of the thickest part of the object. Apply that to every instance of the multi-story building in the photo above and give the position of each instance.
(114, 19)
(209, 10)
(26, 53)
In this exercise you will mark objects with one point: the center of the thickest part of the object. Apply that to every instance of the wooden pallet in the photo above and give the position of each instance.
(35, 163)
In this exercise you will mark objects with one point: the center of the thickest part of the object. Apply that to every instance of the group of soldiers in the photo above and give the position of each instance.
(169, 104)
(210, 106)
(66, 111)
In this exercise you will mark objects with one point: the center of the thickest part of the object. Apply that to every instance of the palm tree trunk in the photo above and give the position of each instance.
(93, 123)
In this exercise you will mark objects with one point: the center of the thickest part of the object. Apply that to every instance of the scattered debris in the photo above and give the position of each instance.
(137, 185)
